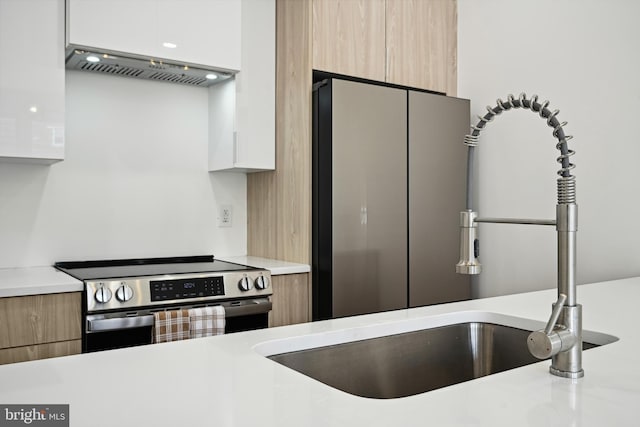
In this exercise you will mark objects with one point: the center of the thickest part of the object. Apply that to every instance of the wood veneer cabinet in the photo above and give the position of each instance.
(39, 326)
(279, 202)
(421, 44)
(334, 35)
(406, 42)
(291, 299)
(349, 37)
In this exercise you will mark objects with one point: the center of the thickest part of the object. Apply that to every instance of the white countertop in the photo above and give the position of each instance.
(36, 280)
(224, 381)
(275, 266)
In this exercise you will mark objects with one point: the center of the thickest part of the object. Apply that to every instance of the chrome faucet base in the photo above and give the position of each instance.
(568, 363)
(565, 374)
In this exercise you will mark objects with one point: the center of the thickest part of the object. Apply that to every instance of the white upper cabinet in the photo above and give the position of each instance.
(32, 80)
(236, 37)
(242, 110)
(197, 32)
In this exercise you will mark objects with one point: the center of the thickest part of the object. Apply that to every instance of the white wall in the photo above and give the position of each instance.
(134, 182)
(584, 56)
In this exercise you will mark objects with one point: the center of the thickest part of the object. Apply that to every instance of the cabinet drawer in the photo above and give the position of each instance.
(40, 351)
(39, 319)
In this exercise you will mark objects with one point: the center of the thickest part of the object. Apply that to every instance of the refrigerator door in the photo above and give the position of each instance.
(369, 198)
(437, 159)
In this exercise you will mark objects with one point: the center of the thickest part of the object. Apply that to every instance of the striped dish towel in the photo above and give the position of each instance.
(171, 326)
(206, 321)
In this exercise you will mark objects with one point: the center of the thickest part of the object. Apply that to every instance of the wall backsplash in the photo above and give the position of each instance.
(134, 182)
(582, 57)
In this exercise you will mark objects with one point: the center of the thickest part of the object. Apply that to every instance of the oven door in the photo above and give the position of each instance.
(113, 330)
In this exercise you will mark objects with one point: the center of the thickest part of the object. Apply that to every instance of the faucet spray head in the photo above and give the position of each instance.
(469, 248)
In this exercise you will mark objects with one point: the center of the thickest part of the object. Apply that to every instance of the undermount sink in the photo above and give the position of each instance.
(409, 363)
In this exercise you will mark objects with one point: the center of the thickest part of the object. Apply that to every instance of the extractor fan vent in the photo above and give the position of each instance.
(111, 69)
(150, 69)
(178, 78)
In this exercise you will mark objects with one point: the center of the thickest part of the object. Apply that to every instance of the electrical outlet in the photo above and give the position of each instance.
(225, 216)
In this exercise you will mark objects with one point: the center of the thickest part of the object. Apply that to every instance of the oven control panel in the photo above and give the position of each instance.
(165, 290)
(135, 292)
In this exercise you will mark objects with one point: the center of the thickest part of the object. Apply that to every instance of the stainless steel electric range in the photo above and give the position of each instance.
(121, 296)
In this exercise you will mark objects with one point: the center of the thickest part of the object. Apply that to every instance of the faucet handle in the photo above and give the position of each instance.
(552, 339)
(555, 314)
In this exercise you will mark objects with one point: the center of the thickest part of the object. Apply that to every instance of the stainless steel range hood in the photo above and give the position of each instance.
(128, 65)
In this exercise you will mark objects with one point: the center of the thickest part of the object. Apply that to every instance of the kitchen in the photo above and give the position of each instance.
(44, 221)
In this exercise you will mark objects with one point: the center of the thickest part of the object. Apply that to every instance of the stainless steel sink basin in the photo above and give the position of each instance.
(409, 363)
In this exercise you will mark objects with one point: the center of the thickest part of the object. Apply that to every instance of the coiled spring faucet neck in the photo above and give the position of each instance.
(562, 338)
(566, 181)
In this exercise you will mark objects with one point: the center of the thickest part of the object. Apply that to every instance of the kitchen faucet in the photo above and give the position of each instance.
(561, 339)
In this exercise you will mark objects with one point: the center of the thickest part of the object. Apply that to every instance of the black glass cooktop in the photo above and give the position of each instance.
(114, 269)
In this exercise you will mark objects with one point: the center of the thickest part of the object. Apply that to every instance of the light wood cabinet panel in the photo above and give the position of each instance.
(39, 319)
(41, 351)
(291, 300)
(349, 37)
(279, 203)
(337, 36)
(293, 133)
(422, 44)
(261, 214)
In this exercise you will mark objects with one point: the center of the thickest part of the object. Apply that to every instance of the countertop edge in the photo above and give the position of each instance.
(276, 267)
(41, 280)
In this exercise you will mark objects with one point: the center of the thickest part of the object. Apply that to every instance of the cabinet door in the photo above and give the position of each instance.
(421, 44)
(32, 80)
(39, 319)
(348, 37)
(290, 299)
(437, 164)
(202, 32)
(256, 86)
(242, 110)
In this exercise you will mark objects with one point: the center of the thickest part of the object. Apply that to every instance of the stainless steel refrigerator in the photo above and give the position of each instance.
(388, 186)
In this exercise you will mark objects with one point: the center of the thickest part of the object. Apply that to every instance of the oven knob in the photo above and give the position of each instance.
(124, 293)
(262, 282)
(103, 295)
(245, 284)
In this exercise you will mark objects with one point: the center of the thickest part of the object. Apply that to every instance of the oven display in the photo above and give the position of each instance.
(165, 290)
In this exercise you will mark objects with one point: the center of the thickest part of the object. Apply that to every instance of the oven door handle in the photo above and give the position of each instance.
(246, 308)
(99, 325)
(257, 306)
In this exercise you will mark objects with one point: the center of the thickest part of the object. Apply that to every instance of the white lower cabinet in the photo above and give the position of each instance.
(32, 80)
